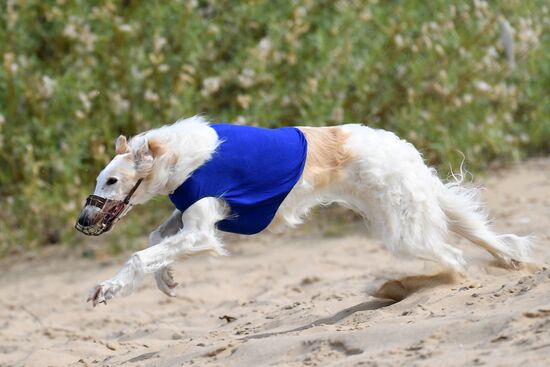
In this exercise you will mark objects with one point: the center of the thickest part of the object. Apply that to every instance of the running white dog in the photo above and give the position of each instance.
(240, 179)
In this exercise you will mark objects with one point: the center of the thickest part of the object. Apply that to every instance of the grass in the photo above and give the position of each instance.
(75, 74)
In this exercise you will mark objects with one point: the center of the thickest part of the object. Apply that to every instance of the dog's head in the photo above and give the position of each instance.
(118, 186)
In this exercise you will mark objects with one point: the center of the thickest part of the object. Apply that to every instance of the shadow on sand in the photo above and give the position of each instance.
(363, 306)
(389, 293)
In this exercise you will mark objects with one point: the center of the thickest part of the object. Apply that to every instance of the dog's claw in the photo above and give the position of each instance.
(94, 295)
(168, 277)
(101, 293)
(165, 281)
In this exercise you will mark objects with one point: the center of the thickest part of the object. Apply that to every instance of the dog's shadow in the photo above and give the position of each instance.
(387, 294)
(331, 320)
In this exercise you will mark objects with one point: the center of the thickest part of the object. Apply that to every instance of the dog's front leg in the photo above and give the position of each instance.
(197, 236)
(184, 244)
(163, 277)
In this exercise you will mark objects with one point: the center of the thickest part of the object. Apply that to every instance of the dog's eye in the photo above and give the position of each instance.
(111, 181)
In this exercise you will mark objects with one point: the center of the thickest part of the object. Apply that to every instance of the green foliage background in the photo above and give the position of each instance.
(76, 74)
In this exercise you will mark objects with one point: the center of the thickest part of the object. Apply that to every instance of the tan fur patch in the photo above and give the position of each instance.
(157, 149)
(326, 154)
(158, 152)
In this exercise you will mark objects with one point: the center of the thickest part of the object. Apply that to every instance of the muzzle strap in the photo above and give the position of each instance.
(132, 191)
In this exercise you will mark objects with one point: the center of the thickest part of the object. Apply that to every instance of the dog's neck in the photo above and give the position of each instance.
(182, 148)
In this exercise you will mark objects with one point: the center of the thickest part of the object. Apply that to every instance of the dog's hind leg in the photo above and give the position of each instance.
(466, 218)
(410, 226)
(163, 277)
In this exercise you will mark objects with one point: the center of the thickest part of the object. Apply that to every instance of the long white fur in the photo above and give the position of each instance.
(403, 201)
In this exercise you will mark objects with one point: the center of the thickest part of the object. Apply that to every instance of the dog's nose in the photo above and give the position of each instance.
(84, 220)
(88, 216)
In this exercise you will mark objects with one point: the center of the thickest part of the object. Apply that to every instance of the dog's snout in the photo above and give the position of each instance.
(88, 216)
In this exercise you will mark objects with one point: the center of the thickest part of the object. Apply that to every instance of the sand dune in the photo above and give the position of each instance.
(294, 301)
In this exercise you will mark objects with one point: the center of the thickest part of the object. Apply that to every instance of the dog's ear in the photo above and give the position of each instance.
(141, 150)
(143, 156)
(121, 145)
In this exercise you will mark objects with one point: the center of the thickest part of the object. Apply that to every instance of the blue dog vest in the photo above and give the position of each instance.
(253, 170)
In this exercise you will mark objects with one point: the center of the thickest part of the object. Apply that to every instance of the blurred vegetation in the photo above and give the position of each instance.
(76, 74)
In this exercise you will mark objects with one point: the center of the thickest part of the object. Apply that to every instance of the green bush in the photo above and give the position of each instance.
(76, 74)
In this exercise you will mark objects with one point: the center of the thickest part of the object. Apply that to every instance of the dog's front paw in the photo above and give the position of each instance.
(103, 292)
(165, 281)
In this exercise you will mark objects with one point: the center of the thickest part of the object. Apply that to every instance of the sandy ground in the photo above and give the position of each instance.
(293, 301)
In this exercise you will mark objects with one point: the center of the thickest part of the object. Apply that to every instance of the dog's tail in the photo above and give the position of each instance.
(466, 216)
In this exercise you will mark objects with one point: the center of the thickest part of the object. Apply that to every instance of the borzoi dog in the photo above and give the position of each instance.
(243, 179)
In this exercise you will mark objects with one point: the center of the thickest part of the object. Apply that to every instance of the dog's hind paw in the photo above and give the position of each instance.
(165, 281)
